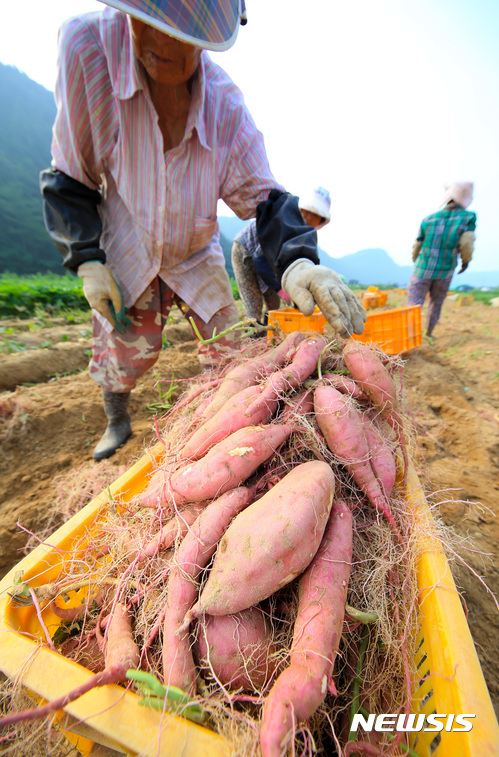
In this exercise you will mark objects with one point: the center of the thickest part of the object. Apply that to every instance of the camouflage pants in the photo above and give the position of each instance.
(118, 360)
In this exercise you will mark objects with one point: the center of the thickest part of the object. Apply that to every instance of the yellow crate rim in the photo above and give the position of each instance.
(114, 717)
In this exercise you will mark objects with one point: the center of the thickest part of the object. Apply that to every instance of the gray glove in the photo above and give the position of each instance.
(309, 285)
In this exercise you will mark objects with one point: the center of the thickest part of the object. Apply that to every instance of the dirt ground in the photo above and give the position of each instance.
(48, 430)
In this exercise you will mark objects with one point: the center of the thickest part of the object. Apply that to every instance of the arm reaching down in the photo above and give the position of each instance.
(309, 285)
(466, 247)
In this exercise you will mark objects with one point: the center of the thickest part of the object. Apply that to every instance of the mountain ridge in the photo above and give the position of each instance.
(28, 111)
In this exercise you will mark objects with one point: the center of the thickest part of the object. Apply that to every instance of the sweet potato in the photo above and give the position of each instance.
(252, 372)
(120, 654)
(302, 687)
(157, 488)
(345, 436)
(226, 465)
(270, 543)
(175, 528)
(232, 416)
(293, 375)
(299, 405)
(193, 555)
(236, 650)
(372, 376)
(344, 385)
(381, 458)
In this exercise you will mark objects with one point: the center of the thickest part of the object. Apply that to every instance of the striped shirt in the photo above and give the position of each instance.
(440, 234)
(158, 210)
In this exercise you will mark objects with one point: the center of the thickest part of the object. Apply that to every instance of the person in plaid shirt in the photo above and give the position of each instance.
(443, 237)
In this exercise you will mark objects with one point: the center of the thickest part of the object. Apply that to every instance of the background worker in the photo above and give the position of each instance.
(256, 281)
(149, 135)
(443, 237)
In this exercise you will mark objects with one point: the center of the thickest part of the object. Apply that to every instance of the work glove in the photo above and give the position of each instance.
(416, 249)
(466, 247)
(309, 285)
(103, 293)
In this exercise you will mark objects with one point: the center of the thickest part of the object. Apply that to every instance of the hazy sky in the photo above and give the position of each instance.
(381, 101)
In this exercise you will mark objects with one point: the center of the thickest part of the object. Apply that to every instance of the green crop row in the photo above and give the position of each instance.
(22, 296)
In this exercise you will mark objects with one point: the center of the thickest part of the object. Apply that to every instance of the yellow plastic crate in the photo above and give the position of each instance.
(468, 299)
(394, 331)
(453, 680)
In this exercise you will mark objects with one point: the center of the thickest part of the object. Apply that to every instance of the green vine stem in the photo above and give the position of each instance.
(248, 327)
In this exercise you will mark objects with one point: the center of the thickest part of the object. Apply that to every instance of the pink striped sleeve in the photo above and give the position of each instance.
(85, 127)
(249, 178)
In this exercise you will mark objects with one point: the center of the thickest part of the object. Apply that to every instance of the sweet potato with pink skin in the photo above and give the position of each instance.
(175, 528)
(120, 650)
(302, 687)
(227, 464)
(372, 376)
(300, 404)
(382, 458)
(344, 385)
(194, 553)
(252, 372)
(270, 543)
(302, 366)
(157, 489)
(236, 650)
(344, 432)
(232, 416)
(120, 654)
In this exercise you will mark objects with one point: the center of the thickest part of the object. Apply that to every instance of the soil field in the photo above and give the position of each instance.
(48, 430)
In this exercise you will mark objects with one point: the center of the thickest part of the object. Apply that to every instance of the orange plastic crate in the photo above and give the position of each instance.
(373, 298)
(291, 319)
(394, 331)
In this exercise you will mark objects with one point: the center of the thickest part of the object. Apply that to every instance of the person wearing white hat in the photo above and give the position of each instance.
(149, 134)
(316, 207)
(443, 238)
(256, 281)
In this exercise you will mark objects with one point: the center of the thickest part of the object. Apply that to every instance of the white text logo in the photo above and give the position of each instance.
(412, 723)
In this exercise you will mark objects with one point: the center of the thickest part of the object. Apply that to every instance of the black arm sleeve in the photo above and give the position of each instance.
(283, 234)
(71, 218)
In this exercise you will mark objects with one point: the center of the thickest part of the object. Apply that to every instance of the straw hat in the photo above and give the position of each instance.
(211, 24)
(461, 192)
(318, 202)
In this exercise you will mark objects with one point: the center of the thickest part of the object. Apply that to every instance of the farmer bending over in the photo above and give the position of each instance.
(149, 134)
(255, 278)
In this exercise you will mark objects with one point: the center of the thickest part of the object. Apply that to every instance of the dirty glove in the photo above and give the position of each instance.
(103, 293)
(466, 247)
(309, 285)
(416, 249)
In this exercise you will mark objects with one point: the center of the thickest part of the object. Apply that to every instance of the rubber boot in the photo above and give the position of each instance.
(119, 427)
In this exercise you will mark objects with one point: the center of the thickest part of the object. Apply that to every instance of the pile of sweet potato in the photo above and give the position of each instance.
(246, 537)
